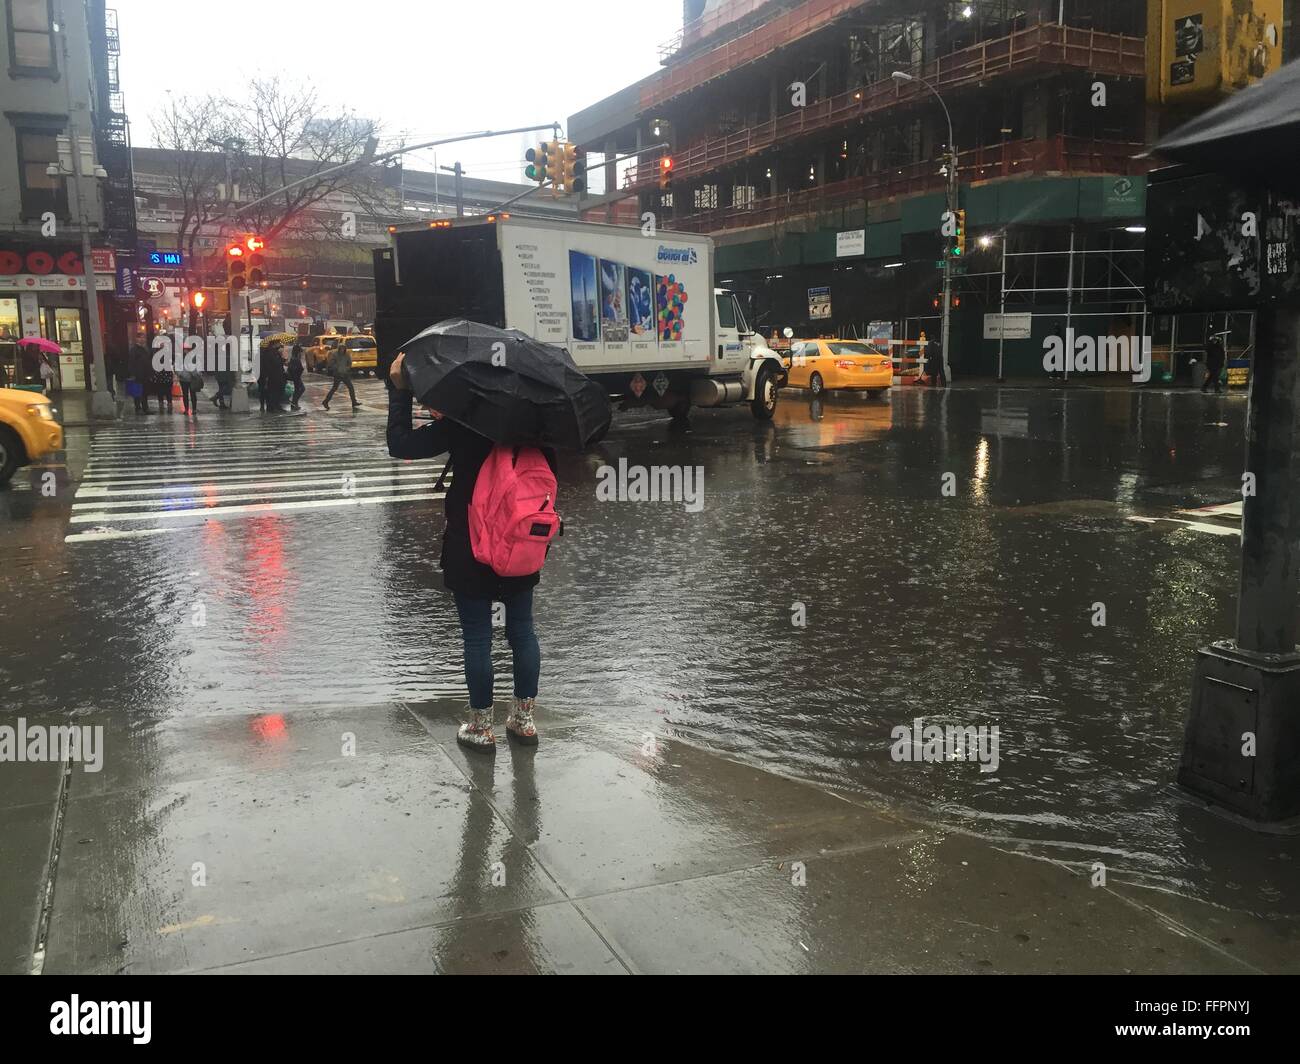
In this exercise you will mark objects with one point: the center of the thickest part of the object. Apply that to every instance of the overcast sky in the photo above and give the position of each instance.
(427, 69)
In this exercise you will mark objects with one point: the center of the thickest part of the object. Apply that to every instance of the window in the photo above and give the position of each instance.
(740, 316)
(41, 192)
(31, 36)
(706, 198)
(726, 312)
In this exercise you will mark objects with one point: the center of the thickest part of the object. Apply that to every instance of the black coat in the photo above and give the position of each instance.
(461, 571)
(140, 364)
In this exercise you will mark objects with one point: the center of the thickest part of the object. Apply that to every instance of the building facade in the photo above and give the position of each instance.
(822, 174)
(64, 143)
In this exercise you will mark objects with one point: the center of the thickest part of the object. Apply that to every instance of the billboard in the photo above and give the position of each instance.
(613, 296)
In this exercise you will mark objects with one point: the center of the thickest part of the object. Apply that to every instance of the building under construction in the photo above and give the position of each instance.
(812, 139)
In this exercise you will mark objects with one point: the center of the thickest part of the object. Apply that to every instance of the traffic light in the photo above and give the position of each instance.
(568, 178)
(540, 162)
(959, 248)
(236, 270)
(199, 299)
(256, 262)
(666, 172)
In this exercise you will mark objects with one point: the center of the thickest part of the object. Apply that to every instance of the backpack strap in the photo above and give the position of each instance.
(442, 479)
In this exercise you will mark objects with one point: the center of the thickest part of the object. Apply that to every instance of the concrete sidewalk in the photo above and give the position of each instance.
(255, 844)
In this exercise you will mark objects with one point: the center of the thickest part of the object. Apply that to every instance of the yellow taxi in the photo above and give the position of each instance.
(28, 430)
(364, 352)
(821, 365)
(318, 354)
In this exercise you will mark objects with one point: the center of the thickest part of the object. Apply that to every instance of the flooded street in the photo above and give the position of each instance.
(319, 586)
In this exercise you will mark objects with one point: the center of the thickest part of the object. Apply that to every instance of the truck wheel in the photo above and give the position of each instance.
(816, 385)
(12, 454)
(763, 405)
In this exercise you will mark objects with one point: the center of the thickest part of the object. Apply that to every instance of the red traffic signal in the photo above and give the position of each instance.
(665, 171)
(236, 278)
(199, 299)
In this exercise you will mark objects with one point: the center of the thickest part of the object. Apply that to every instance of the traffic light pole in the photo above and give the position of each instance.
(239, 393)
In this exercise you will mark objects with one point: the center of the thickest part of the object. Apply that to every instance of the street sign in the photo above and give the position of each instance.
(819, 303)
(164, 259)
(850, 242)
(152, 287)
(1008, 326)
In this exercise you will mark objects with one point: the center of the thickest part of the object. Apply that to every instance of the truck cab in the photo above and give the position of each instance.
(739, 352)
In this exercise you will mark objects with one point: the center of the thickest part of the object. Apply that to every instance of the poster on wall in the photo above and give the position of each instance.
(582, 284)
(613, 306)
(819, 304)
(670, 306)
(879, 334)
(640, 302)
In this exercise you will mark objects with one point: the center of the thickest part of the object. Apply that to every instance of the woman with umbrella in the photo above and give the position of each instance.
(490, 390)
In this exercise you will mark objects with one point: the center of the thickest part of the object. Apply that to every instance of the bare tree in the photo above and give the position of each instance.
(230, 152)
(284, 136)
(188, 127)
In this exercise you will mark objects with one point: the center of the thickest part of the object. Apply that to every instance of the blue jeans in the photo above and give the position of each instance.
(476, 630)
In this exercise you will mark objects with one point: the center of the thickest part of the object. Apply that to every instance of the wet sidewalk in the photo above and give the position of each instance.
(365, 840)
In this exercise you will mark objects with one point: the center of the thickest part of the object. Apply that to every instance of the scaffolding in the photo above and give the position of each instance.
(1120, 300)
(1041, 47)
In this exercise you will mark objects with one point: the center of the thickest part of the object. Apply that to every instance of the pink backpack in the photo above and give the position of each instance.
(512, 517)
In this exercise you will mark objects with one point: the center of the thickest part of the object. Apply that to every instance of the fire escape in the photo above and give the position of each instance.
(112, 135)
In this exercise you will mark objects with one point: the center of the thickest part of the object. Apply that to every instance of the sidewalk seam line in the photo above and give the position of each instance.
(47, 900)
(509, 826)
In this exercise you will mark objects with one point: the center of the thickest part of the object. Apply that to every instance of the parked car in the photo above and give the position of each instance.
(28, 430)
(823, 365)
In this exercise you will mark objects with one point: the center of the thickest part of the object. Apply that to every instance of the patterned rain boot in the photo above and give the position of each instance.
(476, 733)
(520, 725)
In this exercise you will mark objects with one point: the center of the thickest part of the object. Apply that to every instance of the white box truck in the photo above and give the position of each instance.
(639, 313)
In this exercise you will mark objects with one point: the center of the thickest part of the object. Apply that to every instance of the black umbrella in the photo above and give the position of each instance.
(1254, 133)
(505, 385)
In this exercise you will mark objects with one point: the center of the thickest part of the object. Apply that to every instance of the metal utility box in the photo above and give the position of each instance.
(1200, 50)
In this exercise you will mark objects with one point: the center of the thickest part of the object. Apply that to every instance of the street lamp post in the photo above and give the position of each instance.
(951, 195)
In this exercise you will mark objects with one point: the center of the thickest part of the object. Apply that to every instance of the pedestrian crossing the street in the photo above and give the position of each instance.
(139, 484)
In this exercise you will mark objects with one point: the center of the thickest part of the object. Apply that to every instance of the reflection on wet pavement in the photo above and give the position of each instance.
(975, 608)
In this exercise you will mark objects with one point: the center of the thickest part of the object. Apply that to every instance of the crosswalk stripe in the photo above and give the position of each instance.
(126, 504)
(177, 468)
(100, 534)
(138, 485)
(217, 487)
(251, 508)
(97, 487)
